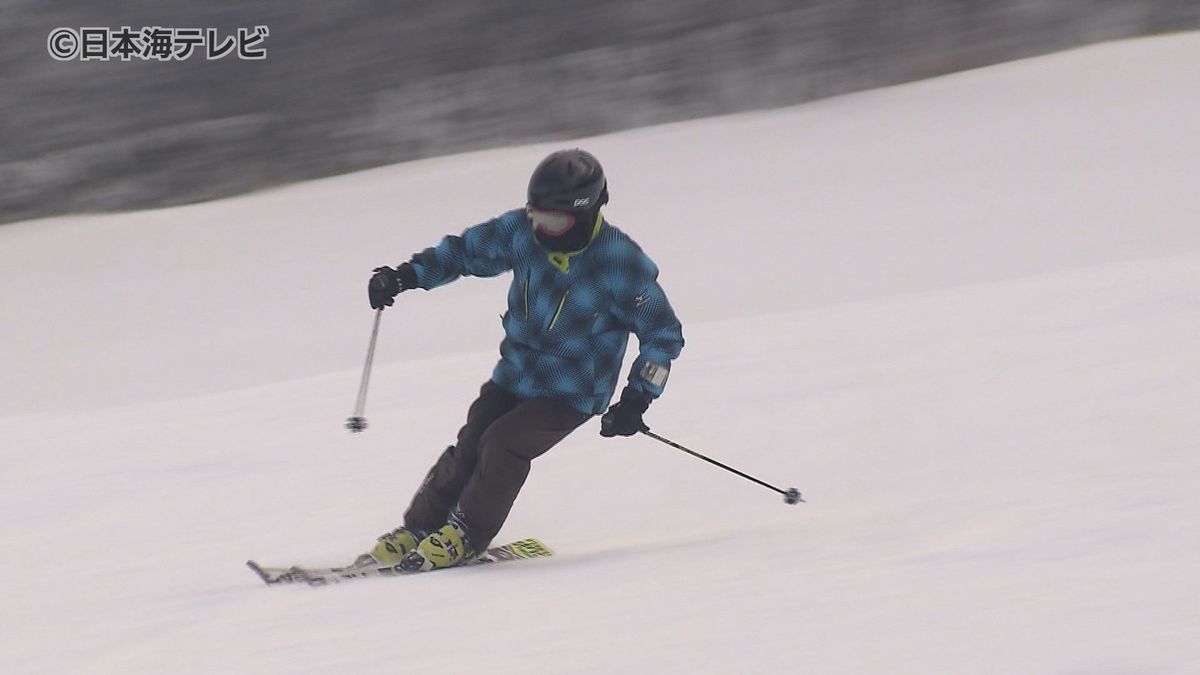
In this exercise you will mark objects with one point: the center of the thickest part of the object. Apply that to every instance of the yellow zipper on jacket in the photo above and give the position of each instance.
(559, 310)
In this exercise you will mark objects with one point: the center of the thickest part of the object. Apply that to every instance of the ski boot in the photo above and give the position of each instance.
(445, 547)
(392, 547)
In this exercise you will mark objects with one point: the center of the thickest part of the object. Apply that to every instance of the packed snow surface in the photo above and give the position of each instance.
(962, 316)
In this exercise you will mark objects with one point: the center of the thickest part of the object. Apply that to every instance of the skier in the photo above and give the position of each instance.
(580, 287)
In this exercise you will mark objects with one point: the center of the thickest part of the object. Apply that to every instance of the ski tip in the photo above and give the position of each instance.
(258, 570)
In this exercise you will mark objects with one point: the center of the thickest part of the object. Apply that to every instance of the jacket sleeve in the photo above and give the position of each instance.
(480, 251)
(649, 315)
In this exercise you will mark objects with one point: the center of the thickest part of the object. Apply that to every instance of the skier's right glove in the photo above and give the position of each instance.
(387, 283)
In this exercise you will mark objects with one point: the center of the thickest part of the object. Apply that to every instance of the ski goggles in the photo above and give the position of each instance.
(551, 223)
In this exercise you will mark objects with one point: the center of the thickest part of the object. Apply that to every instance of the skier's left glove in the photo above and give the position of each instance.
(386, 283)
(624, 418)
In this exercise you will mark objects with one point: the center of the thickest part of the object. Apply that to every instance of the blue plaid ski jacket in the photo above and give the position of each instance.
(569, 315)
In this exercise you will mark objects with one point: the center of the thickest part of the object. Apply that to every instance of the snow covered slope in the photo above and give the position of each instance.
(962, 316)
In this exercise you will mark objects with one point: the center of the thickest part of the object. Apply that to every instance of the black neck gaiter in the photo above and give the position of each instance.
(573, 239)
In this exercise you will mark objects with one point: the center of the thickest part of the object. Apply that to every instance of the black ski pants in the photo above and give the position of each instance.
(481, 475)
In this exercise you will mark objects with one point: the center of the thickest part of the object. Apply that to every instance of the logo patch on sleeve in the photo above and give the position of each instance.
(655, 373)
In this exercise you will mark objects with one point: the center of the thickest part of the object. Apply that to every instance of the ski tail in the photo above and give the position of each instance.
(518, 550)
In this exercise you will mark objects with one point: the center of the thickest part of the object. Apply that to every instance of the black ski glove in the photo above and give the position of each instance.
(624, 418)
(387, 283)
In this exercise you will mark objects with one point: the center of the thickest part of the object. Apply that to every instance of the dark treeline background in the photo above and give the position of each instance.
(359, 83)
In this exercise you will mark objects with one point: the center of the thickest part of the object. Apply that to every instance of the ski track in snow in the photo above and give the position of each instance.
(961, 315)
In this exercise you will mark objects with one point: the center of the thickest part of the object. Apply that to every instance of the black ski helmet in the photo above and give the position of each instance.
(571, 181)
(568, 180)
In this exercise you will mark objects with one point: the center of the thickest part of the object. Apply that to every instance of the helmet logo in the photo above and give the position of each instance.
(583, 201)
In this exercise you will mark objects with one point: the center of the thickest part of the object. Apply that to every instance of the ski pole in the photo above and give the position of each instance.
(790, 495)
(356, 422)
